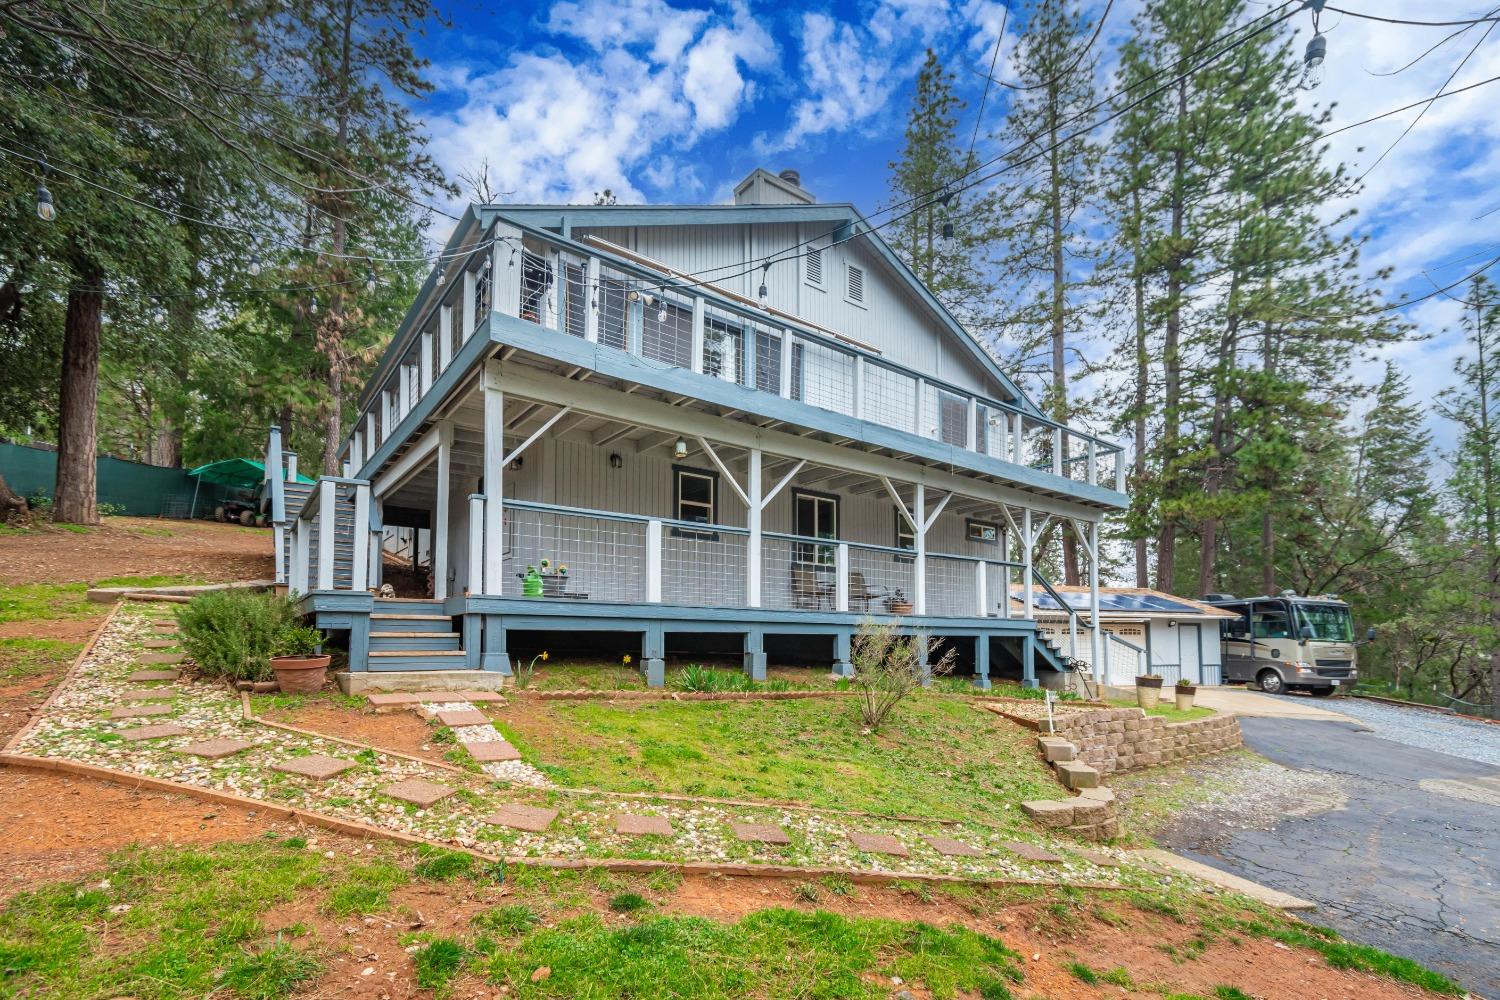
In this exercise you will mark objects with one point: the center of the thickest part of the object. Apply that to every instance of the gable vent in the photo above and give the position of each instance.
(815, 265)
(856, 284)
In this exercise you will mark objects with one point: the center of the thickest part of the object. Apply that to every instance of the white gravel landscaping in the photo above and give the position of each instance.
(76, 727)
(1424, 729)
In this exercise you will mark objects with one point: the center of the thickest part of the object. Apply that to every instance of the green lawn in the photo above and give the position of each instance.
(1167, 709)
(938, 756)
(163, 923)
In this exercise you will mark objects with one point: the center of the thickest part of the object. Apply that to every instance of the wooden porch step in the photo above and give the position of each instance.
(416, 652)
(413, 635)
(424, 618)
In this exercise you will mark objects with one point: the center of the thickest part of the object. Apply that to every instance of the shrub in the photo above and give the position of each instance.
(234, 633)
(438, 962)
(889, 666)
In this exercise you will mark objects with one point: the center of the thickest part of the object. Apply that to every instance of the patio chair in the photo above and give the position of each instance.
(808, 592)
(861, 595)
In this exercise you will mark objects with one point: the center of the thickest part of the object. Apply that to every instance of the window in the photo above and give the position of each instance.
(953, 419)
(856, 288)
(905, 537)
(814, 266)
(723, 348)
(1230, 626)
(816, 515)
(1270, 621)
(696, 492)
(768, 362)
(983, 531)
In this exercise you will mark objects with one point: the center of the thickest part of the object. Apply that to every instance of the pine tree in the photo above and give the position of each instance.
(1048, 193)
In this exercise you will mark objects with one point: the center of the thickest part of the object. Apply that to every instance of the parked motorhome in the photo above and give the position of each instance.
(1289, 643)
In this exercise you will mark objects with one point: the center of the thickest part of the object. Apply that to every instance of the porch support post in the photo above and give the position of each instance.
(1096, 635)
(297, 581)
(476, 545)
(756, 508)
(919, 546)
(755, 654)
(468, 315)
(360, 552)
(653, 655)
(925, 652)
(327, 532)
(1028, 540)
(843, 665)
(471, 640)
(982, 662)
(1028, 660)
(496, 656)
(591, 317)
(653, 561)
(359, 643)
(445, 337)
(424, 364)
(291, 466)
(440, 516)
(494, 476)
(372, 438)
(841, 577)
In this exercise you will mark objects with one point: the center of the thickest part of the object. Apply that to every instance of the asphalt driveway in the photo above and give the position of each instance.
(1411, 863)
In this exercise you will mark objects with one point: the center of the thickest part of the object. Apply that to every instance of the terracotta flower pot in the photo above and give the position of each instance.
(300, 674)
(1147, 691)
(1185, 698)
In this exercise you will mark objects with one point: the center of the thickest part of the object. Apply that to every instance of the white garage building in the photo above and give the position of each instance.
(1177, 636)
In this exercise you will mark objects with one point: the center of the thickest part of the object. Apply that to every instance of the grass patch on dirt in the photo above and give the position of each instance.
(44, 601)
(937, 756)
(22, 658)
(1166, 709)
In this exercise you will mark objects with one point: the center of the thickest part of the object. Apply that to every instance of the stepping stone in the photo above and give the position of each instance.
(313, 766)
(392, 699)
(490, 751)
(478, 697)
(160, 644)
(463, 717)
(147, 694)
(878, 843)
(143, 676)
(151, 732)
(168, 626)
(1030, 851)
(639, 826)
(418, 791)
(161, 658)
(953, 848)
(139, 711)
(217, 748)
(1097, 857)
(519, 817)
(762, 833)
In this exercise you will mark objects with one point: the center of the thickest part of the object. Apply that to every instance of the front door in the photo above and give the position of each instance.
(1189, 653)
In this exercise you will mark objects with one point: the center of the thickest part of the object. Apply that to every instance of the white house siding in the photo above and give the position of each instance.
(891, 321)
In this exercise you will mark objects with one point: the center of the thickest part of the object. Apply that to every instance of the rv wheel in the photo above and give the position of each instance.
(1270, 682)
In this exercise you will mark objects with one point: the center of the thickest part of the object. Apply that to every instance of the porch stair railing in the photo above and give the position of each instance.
(330, 537)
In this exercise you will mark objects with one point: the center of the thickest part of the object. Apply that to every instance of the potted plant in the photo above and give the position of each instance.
(1185, 691)
(897, 604)
(297, 663)
(1147, 690)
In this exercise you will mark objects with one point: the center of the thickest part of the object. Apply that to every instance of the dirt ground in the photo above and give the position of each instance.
(136, 546)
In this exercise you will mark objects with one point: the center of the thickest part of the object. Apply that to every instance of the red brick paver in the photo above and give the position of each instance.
(637, 826)
(762, 833)
(1030, 851)
(463, 717)
(313, 766)
(520, 817)
(878, 843)
(217, 748)
(953, 848)
(487, 751)
(140, 711)
(144, 676)
(418, 791)
(152, 732)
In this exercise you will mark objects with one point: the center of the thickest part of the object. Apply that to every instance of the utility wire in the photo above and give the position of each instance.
(1418, 24)
(989, 79)
(1098, 28)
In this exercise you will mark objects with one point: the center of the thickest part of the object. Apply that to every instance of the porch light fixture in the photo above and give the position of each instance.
(615, 461)
(45, 209)
(679, 450)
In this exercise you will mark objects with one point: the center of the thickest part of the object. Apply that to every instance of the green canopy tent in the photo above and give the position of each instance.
(239, 473)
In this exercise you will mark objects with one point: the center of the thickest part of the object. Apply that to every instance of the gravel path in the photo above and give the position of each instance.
(1424, 730)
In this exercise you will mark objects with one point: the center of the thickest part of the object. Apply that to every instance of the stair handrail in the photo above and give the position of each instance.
(1073, 613)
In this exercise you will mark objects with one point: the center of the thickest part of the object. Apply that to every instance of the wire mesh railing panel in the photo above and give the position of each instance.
(703, 567)
(822, 376)
(536, 286)
(667, 331)
(792, 583)
(880, 581)
(950, 587)
(768, 361)
(890, 397)
(612, 301)
(604, 558)
(723, 346)
(574, 311)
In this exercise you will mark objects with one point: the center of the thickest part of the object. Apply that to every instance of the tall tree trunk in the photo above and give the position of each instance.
(1267, 517)
(1142, 377)
(334, 330)
(1487, 470)
(78, 402)
(1058, 317)
(1166, 543)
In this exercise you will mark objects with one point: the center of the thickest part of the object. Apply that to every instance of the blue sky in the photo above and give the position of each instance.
(671, 101)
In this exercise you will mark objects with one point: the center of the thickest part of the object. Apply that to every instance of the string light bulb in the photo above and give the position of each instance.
(312, 307)
(254, 267)
(370, 280)
(765, 293)
(45, 209)
(441, 277)
(1312, 61)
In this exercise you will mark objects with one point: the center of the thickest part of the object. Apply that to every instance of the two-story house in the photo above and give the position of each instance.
(751, 420)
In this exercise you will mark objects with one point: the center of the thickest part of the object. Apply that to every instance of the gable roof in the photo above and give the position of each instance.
(1124, 602)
